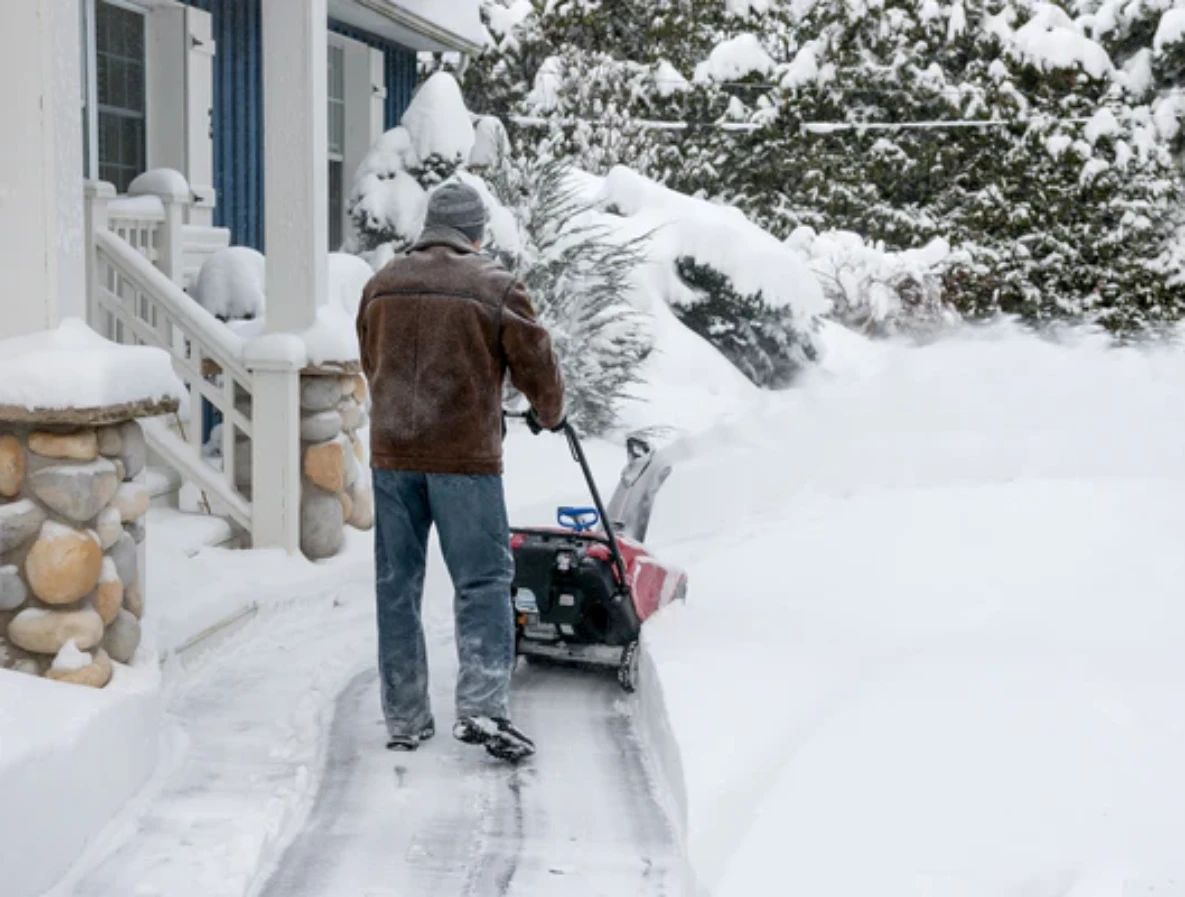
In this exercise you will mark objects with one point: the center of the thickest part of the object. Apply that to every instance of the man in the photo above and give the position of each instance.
(439, 328)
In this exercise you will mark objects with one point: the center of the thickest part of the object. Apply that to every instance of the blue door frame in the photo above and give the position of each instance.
(238, 109)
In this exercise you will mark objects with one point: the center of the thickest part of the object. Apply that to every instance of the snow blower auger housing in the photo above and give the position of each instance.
(581, 589)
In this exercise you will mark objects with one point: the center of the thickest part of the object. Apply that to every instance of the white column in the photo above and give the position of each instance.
(295, 160)
(41, 208)
(275, 361)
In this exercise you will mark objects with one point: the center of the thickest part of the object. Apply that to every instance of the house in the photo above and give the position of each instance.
(250, 117)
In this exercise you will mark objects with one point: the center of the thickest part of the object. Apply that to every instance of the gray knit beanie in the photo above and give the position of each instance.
(457, 206)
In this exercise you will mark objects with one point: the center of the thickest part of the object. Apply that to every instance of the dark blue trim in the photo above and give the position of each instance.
(238, 108)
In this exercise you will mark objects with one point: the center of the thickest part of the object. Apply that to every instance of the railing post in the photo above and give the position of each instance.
(97, 194)
(275, 361)
(171, 251)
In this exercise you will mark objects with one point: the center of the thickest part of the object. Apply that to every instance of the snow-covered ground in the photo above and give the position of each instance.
(935, 638)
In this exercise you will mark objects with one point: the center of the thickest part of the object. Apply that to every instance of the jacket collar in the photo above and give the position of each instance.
(444, 236)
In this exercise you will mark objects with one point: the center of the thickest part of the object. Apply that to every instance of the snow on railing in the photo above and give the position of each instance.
(135, 303)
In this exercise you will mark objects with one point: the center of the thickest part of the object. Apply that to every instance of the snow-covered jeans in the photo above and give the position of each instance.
(470, 517)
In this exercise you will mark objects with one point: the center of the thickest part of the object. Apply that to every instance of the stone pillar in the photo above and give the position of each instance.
(295, 144)
(72, 530)
(336, 482)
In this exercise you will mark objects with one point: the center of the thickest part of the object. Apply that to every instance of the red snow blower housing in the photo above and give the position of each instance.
(582, 590)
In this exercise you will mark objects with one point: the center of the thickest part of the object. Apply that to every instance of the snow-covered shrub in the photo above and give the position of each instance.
(761, 340)
(230, 285)
(979, 122)
(578, 275)
(875, 291)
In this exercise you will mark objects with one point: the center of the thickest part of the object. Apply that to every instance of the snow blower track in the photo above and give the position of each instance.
(580, 818)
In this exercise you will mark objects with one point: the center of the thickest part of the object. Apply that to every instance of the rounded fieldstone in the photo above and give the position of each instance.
(76, 491)
(12, 466)
(109, 526)
(321, 523)
(107, 598)
(82, 445)
(347, 505)
(131, 500)
(359, 448)
(122, 637)
(13, 592)
(133, 600)
(134, 454)
(123, 555)
(96, 674)
(347, 386)
(362, 513)
(45, 631)
(19, 522)
(110, 441)
(320, 427)
(319, 393)
(351, 413)
(64, 564)
(360, 390)
(325, 465)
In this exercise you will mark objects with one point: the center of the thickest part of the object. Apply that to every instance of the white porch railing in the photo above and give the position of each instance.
(138, 305)
(136, 264)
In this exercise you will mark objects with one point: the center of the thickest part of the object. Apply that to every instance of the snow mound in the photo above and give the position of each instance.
(160, 182)
(1052, 40)
(1171, 29)
(720, 236)
(231, 284)
(396, 204)
(74, 367)
(733, 59)
(347, 277)
(438, 121)
(967, 670)
(70, 658)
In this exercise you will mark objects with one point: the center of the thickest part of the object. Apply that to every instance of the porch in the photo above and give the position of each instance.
(297, 94)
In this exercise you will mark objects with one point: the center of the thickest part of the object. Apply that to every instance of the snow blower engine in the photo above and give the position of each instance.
(583, 589)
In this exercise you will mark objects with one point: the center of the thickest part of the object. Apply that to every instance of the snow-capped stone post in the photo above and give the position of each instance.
(73, 503)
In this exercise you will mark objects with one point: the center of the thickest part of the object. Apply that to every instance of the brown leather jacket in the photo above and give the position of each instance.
(439, 329)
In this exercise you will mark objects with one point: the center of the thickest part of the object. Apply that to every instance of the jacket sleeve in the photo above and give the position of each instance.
(534, 370)
(360, 326)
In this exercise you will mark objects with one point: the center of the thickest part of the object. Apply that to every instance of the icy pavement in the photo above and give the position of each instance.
(277, 779)
(579, 819)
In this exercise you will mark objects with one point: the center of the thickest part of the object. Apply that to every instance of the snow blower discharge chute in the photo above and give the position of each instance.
(583, 589)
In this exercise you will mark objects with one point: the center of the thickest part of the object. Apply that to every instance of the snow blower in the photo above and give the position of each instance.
(583, 589)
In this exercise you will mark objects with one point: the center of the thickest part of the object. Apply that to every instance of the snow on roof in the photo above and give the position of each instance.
(73, 367)
(735, 58)
(437, 120)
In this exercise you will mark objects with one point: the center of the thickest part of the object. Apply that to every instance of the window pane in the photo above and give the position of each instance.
(335, 206)
(119, 58)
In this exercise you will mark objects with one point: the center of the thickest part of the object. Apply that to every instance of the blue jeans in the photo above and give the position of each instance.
(470, 517)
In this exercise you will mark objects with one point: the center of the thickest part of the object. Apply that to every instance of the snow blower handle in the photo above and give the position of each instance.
(578, 455)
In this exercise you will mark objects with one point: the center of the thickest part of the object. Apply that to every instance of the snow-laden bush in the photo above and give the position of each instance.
(875, 291)
(761, 340)
(578, 275)
(1038, 144)
(230, 284)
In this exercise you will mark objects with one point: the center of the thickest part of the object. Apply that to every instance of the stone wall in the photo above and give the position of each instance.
(335, 486)
(72, 530)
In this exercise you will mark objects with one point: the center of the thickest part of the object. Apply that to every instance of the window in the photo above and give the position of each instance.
(119, 71)
(337, 142)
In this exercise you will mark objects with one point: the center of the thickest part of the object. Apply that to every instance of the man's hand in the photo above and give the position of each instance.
(536, 426)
